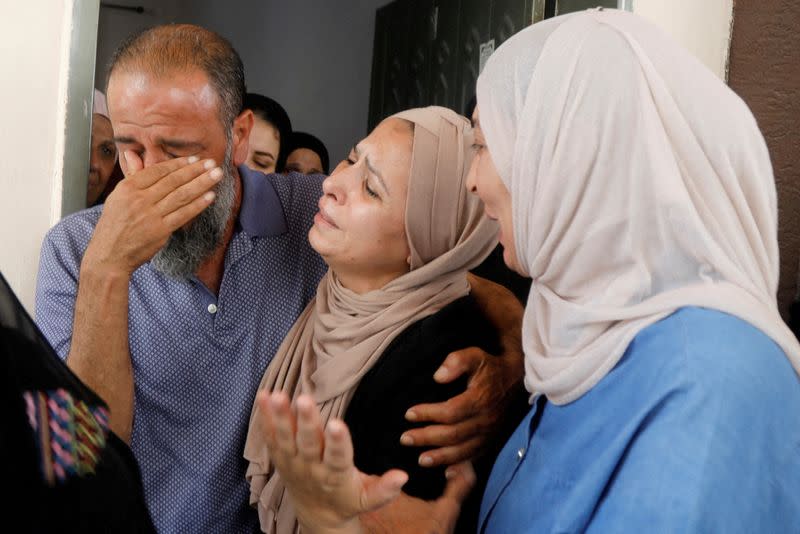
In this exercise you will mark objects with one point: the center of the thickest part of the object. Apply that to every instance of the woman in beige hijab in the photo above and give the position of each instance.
(635, 189)
(399, 231)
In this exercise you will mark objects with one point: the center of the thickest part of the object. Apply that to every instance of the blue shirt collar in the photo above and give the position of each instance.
(261, 213)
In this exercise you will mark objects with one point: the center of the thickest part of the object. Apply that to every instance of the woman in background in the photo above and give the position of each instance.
(306, 154)
(270, 134)
(104, 170)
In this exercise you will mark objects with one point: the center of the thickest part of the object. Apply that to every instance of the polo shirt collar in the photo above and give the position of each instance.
(261, 213)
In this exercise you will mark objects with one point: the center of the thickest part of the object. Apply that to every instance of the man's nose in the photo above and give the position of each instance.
(151, 158)
(336, 185)
(94, 162)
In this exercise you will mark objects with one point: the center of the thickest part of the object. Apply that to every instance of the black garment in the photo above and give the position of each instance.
(794, 318)
(494, 268)
(100, 489)
(403, 377)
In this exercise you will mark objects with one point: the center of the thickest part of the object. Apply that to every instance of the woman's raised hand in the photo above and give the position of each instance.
(316, 465)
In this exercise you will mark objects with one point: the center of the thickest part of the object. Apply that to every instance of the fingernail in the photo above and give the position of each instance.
(411, 415)
(425, 461)
(441, 374)
(450, 473)
(216, 174)
(209, 164)
(335, 427)
(193, 159)
(209, 196)
(125, 155)
(405, 439)
(304, 405)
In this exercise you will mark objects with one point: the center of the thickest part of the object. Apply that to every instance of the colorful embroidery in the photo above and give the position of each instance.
(70, 436)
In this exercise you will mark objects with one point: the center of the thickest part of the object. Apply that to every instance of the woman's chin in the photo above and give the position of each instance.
(316, 241)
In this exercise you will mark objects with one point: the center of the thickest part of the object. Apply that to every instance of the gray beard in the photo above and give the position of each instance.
(188, 248)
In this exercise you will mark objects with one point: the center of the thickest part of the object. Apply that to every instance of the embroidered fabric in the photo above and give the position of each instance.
(64, 471)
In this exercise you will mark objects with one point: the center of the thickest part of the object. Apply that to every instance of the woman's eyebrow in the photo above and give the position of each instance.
(372, 169)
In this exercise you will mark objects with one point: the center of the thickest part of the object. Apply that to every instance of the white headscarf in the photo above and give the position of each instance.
(640, 184)
(99, 104)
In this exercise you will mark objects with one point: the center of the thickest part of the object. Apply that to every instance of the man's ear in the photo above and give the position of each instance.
(242, 126)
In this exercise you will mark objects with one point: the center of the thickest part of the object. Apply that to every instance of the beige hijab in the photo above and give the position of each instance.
(640, 183)
(341, 334)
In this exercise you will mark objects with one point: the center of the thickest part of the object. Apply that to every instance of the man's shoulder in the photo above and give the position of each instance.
(80, 221)
(299, 193)
(75, 229)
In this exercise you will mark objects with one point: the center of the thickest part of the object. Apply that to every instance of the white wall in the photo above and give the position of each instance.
(117, 24)
(702, 26)
(37, 56)
(312, 56)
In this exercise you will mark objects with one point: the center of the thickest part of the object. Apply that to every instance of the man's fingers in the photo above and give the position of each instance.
(309, 430)
(460, 481)
(442, 435)
(458, 363)
(452, 454)
(183, 215)
(133, 163)
(448, 412)
(172, 181)
(381, 490)
(187, 192)
(143, 178)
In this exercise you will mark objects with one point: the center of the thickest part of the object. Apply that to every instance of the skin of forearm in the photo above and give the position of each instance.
(350, 527)
(99, 353)
(382, 521)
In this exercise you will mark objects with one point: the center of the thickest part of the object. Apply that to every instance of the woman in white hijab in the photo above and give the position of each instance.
(635, 189)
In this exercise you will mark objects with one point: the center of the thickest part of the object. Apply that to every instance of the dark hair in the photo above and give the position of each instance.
(272, 113)
(178, 47)
(469, 108)
(306, 140)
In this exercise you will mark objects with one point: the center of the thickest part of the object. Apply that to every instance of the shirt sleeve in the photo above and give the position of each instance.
(713, 459)
(57, 283)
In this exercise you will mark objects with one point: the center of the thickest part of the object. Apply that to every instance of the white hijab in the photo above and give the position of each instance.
(640, 183)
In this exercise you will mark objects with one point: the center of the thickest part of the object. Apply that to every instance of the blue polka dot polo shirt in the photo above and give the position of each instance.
(198, 358)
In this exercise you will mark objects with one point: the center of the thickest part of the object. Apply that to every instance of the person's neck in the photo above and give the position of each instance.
(361, 284)
(211, 270)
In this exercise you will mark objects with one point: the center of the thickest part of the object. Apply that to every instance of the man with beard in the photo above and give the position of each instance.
(171, 299)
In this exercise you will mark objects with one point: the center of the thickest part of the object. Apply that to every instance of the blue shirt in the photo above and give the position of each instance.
(697, 429)
(198, 358)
